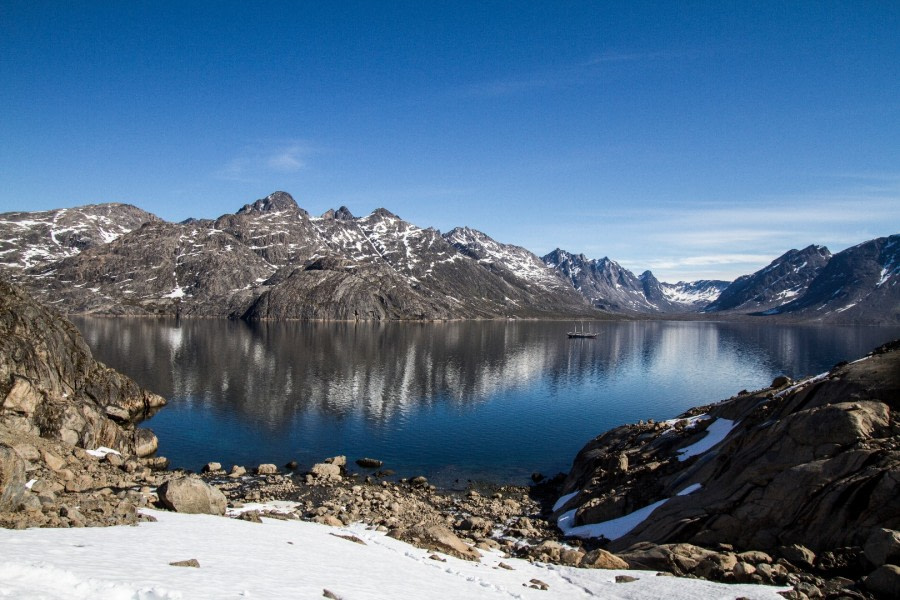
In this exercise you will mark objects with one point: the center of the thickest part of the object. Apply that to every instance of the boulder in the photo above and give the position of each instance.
(798, 555)
(884, 582)
(883, 547)
(436, 538)
(145, 442)
(53, 462)
(12, 479)
(326, 471)
(369, 463)
(266, 469)
(340, 461)
(191, 495)
(211, 467)
(602, 559)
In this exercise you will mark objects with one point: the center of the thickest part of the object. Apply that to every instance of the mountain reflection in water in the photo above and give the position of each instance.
(459, 400)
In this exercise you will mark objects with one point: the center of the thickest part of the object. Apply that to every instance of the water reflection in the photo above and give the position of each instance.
(498, 399)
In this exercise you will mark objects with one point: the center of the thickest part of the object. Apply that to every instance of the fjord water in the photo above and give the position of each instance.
(453, 401)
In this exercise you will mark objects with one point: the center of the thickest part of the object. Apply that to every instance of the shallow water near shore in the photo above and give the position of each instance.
(454, 401)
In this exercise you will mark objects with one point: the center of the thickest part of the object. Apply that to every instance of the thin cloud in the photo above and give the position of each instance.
(559, 77)
(257, 161)
(289, 160)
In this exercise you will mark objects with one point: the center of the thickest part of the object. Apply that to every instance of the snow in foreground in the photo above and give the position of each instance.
(292, 559)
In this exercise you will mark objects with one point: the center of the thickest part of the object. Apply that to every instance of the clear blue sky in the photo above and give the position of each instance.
(695, 139)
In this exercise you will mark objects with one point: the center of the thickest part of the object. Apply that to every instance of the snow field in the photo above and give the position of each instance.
(293, 559)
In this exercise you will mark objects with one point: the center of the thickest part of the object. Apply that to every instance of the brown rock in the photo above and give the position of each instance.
(436, 538)
(191, 495)
(602, 559)
(53, 462)
(340, 461)
(884, 582)
(145, 442)
(191, 562)
(326, 472)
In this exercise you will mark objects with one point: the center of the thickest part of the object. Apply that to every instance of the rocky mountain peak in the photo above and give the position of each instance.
(782, 280)
(381, 213)
(275, 202)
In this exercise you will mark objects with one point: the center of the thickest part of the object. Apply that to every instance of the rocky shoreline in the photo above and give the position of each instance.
(811, 508)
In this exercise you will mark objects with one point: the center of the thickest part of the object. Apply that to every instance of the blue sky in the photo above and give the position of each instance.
(699, 140)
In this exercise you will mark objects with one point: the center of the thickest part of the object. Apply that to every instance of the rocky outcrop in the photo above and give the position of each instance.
(57, 405)
(814, 464)
(50, 384)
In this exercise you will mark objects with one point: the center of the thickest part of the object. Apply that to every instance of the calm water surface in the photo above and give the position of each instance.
(472, 400)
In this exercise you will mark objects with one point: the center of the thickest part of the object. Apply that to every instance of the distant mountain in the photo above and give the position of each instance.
(604, 282)
(609, 286)
(271, 260)
(784, 279)
(29, 239)
(694, 295)
(859, 285)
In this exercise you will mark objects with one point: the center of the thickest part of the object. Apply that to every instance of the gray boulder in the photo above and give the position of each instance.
(883, 547)
(12, 479)
(193, 496)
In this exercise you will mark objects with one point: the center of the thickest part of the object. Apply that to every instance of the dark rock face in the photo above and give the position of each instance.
(50, 385)
(815, 464)
(782, 280)
(859, 285)
(276, 202)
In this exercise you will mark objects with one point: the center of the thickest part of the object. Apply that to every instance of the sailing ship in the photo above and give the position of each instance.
(576, 333)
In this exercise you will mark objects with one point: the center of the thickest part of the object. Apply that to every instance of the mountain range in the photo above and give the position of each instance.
(273, 260)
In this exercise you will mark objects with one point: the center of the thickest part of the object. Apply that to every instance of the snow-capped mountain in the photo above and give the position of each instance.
(29, 239)
(508, 261)
(681, 297)
(610, 286)
(694, 294)
(783, 280)
(857, 285)
(272, 260)
(604, 282)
